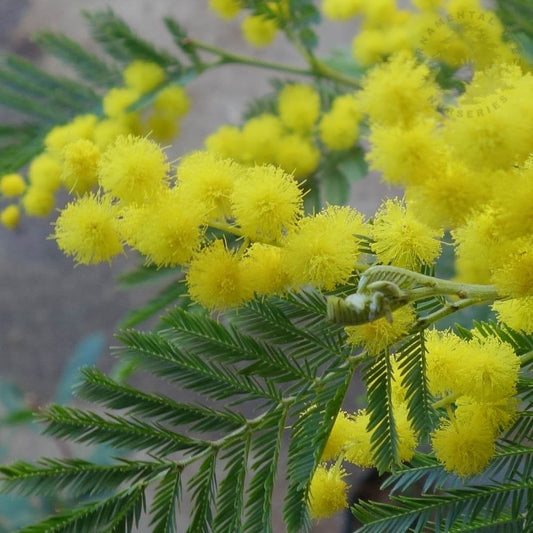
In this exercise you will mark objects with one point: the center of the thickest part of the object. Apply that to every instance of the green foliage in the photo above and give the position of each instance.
(282, 352)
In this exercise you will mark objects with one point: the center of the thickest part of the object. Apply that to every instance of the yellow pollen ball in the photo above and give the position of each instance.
(38, 202)
(259, 30)
(217, 279)
(10, 216)
(266, 202)
(166, 230)
(133, 169)
(465, 447)
(207, 179)
(143, 76)
(299, 107)
(87, 230)
(323, 249)
(45, 173)
(327, 492)
(12, 185)
(80, 163)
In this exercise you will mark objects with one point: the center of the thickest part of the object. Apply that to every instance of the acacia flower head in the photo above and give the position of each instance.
(205, 178)
(401, 239)
(80, 165)
(377, 335)
(217, 278)
(327, 491)
(133, 169)
(299, 107)
(87, 230)
(463, 446)
(266, 202)
(323, 249)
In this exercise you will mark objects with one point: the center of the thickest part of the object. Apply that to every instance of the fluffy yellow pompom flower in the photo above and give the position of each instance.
(261, 137)
(499, 414)
(323, 249)
(81, 127)
(449, 197)
(167, 230)
(407, 155)
(10, 216)
(464, 447)
(377, 335)
(12, 185)
(264, 269)
(118, 99)
(483, 369)
(401, 239)
(38, 202)
(297, 154)
(45, 173)
(341, 9)
(406, 86)
(266, 202)
(172, 100)
(80, 164)
(107, 131)
(516, 313)
(259, 30)
(477, 247)
(133, 169)
(225, 9)
(299, 107)
(217, 278)
(143, 76)
(327, 492)
(205, 178)
(87, 230)
(515, 277)
(338, 131)
(369, 46)
(227, 141)
(343, 433)
(444, 354)
(359, 452)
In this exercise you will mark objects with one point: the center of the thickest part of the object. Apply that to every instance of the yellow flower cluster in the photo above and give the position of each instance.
(477, 377)
(467, 167)
(258, 30)
(455, 32)
(73, 151)
(291, 139)
(140, 204)
(350, 441)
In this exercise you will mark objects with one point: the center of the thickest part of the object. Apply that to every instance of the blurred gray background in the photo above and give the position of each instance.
(46, 305)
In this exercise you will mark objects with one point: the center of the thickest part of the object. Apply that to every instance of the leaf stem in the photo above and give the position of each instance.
(526, 358)
(445, 402)
(318, 69)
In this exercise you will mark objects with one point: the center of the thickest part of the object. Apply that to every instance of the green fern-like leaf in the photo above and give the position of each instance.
(101, 389)
(265, 452)
(486, 502)
(118, 513)
(165, 359)
(79, 477)
(203, 487)
(412, 365)
(122, 43)
(377, 377)
(165, 503)
(91, 428)
(230, 497)
(89, 66)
